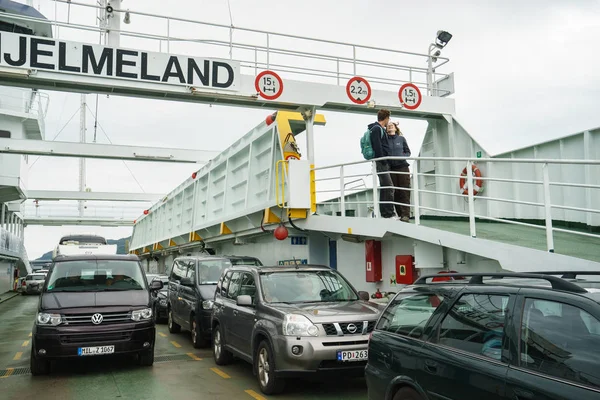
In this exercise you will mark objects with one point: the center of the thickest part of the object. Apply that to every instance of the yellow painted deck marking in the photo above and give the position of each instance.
(220, 373)
(18, 356)
(25, 343)
(8, 373)
(194, 357)
(174, 343)
(255, 395)
(162, 334)
(29, 334)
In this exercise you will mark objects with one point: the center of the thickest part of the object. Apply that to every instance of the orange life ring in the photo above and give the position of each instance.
(477, 188)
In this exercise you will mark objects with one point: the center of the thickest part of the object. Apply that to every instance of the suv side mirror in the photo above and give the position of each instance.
(156, 285)
(187, 282)
(363, 295)
(244, 300)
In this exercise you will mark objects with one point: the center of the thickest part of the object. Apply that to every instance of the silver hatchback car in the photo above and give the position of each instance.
(291, 322)
(34, 283)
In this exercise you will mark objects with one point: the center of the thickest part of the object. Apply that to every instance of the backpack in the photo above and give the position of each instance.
(365, 145)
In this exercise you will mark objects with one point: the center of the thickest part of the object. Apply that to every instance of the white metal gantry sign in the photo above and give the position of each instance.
(47, 63)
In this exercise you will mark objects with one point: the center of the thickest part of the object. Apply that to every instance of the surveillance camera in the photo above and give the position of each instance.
(371, 104)
(127, 18)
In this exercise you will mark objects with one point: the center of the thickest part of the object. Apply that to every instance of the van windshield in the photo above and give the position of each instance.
(96, 275)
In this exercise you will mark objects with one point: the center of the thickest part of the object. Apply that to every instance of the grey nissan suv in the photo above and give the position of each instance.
(291, 321)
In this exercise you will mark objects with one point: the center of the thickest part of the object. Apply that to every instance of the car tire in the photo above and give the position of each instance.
(407, 393)
(264, 365)
(173, 327)
(38, 366)
(146, 358)
(198, 340)
(220, 354)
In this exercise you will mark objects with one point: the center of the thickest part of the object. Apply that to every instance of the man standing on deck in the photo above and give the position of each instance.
(379, 143)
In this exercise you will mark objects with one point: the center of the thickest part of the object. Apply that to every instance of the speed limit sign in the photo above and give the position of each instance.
(410, 96)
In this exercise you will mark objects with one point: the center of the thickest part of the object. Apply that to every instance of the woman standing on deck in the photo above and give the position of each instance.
(398, 147)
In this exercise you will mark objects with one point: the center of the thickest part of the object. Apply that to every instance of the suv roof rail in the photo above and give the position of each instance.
(566, 274)
(477, 279)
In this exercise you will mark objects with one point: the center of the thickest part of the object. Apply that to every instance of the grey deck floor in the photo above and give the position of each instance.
(564, 243)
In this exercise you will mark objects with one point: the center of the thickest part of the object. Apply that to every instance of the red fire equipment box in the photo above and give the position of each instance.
(406, 273)
(373, 260)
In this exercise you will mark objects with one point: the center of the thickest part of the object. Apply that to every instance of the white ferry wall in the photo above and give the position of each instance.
(450, 139)
(22, 117)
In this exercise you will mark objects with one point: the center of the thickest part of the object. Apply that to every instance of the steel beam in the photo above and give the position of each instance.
(64, 221)
(104, 151)
(91, 196)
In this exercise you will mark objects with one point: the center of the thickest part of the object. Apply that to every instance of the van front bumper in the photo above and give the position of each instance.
(63, 342)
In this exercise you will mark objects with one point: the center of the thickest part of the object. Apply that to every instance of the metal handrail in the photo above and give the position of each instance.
(542, 196)
(266, 48)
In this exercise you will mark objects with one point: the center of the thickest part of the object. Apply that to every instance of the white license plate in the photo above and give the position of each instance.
(97, 350)
(352, 355)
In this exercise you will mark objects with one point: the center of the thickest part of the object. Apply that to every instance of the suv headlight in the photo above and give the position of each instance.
(299, 325)
(207, 304)
(140, 315)
(49, 319)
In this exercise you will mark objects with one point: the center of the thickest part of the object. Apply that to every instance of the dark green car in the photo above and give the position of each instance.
(494, 336)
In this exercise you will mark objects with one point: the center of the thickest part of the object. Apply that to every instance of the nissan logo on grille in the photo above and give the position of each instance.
(351, 328)
(97, 319)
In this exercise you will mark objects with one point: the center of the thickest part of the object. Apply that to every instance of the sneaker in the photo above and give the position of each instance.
(405, 219)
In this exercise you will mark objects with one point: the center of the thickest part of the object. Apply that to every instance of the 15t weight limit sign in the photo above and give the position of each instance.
(410, 96)
(268, 85)
(358, 90)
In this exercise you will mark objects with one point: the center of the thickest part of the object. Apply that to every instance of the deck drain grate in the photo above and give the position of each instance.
(172, 357)
(7, 372)
(21, 371)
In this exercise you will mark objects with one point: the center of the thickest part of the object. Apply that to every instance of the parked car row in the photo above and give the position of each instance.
(483, 336)
(287, 321)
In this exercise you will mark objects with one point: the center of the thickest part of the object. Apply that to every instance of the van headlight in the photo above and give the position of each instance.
(298, 325)
(141, 315)
(49, 319)
(207, 304)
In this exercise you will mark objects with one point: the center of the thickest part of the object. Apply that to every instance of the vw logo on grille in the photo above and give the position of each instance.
(351, 328)
(97, 319)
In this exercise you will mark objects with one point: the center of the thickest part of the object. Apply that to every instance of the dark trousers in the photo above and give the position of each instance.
(401, 195)
(386, 210)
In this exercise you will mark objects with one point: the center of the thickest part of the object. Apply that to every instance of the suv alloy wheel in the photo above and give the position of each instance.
(221, 355)
(265, 370)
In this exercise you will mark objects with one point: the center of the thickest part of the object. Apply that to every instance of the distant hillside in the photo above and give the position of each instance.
(119, 242)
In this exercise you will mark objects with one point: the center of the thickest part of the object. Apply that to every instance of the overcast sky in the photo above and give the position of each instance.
(525, 72)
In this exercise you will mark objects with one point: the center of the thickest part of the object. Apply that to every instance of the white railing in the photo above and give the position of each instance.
(550, 195)
(50, 210)
(327, 60)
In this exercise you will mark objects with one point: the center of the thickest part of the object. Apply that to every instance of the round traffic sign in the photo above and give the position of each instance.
(410, 96)
(358, 90)
(268, 85)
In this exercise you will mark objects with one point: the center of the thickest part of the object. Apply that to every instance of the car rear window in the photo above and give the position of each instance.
(35, 277)
(96, 275)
